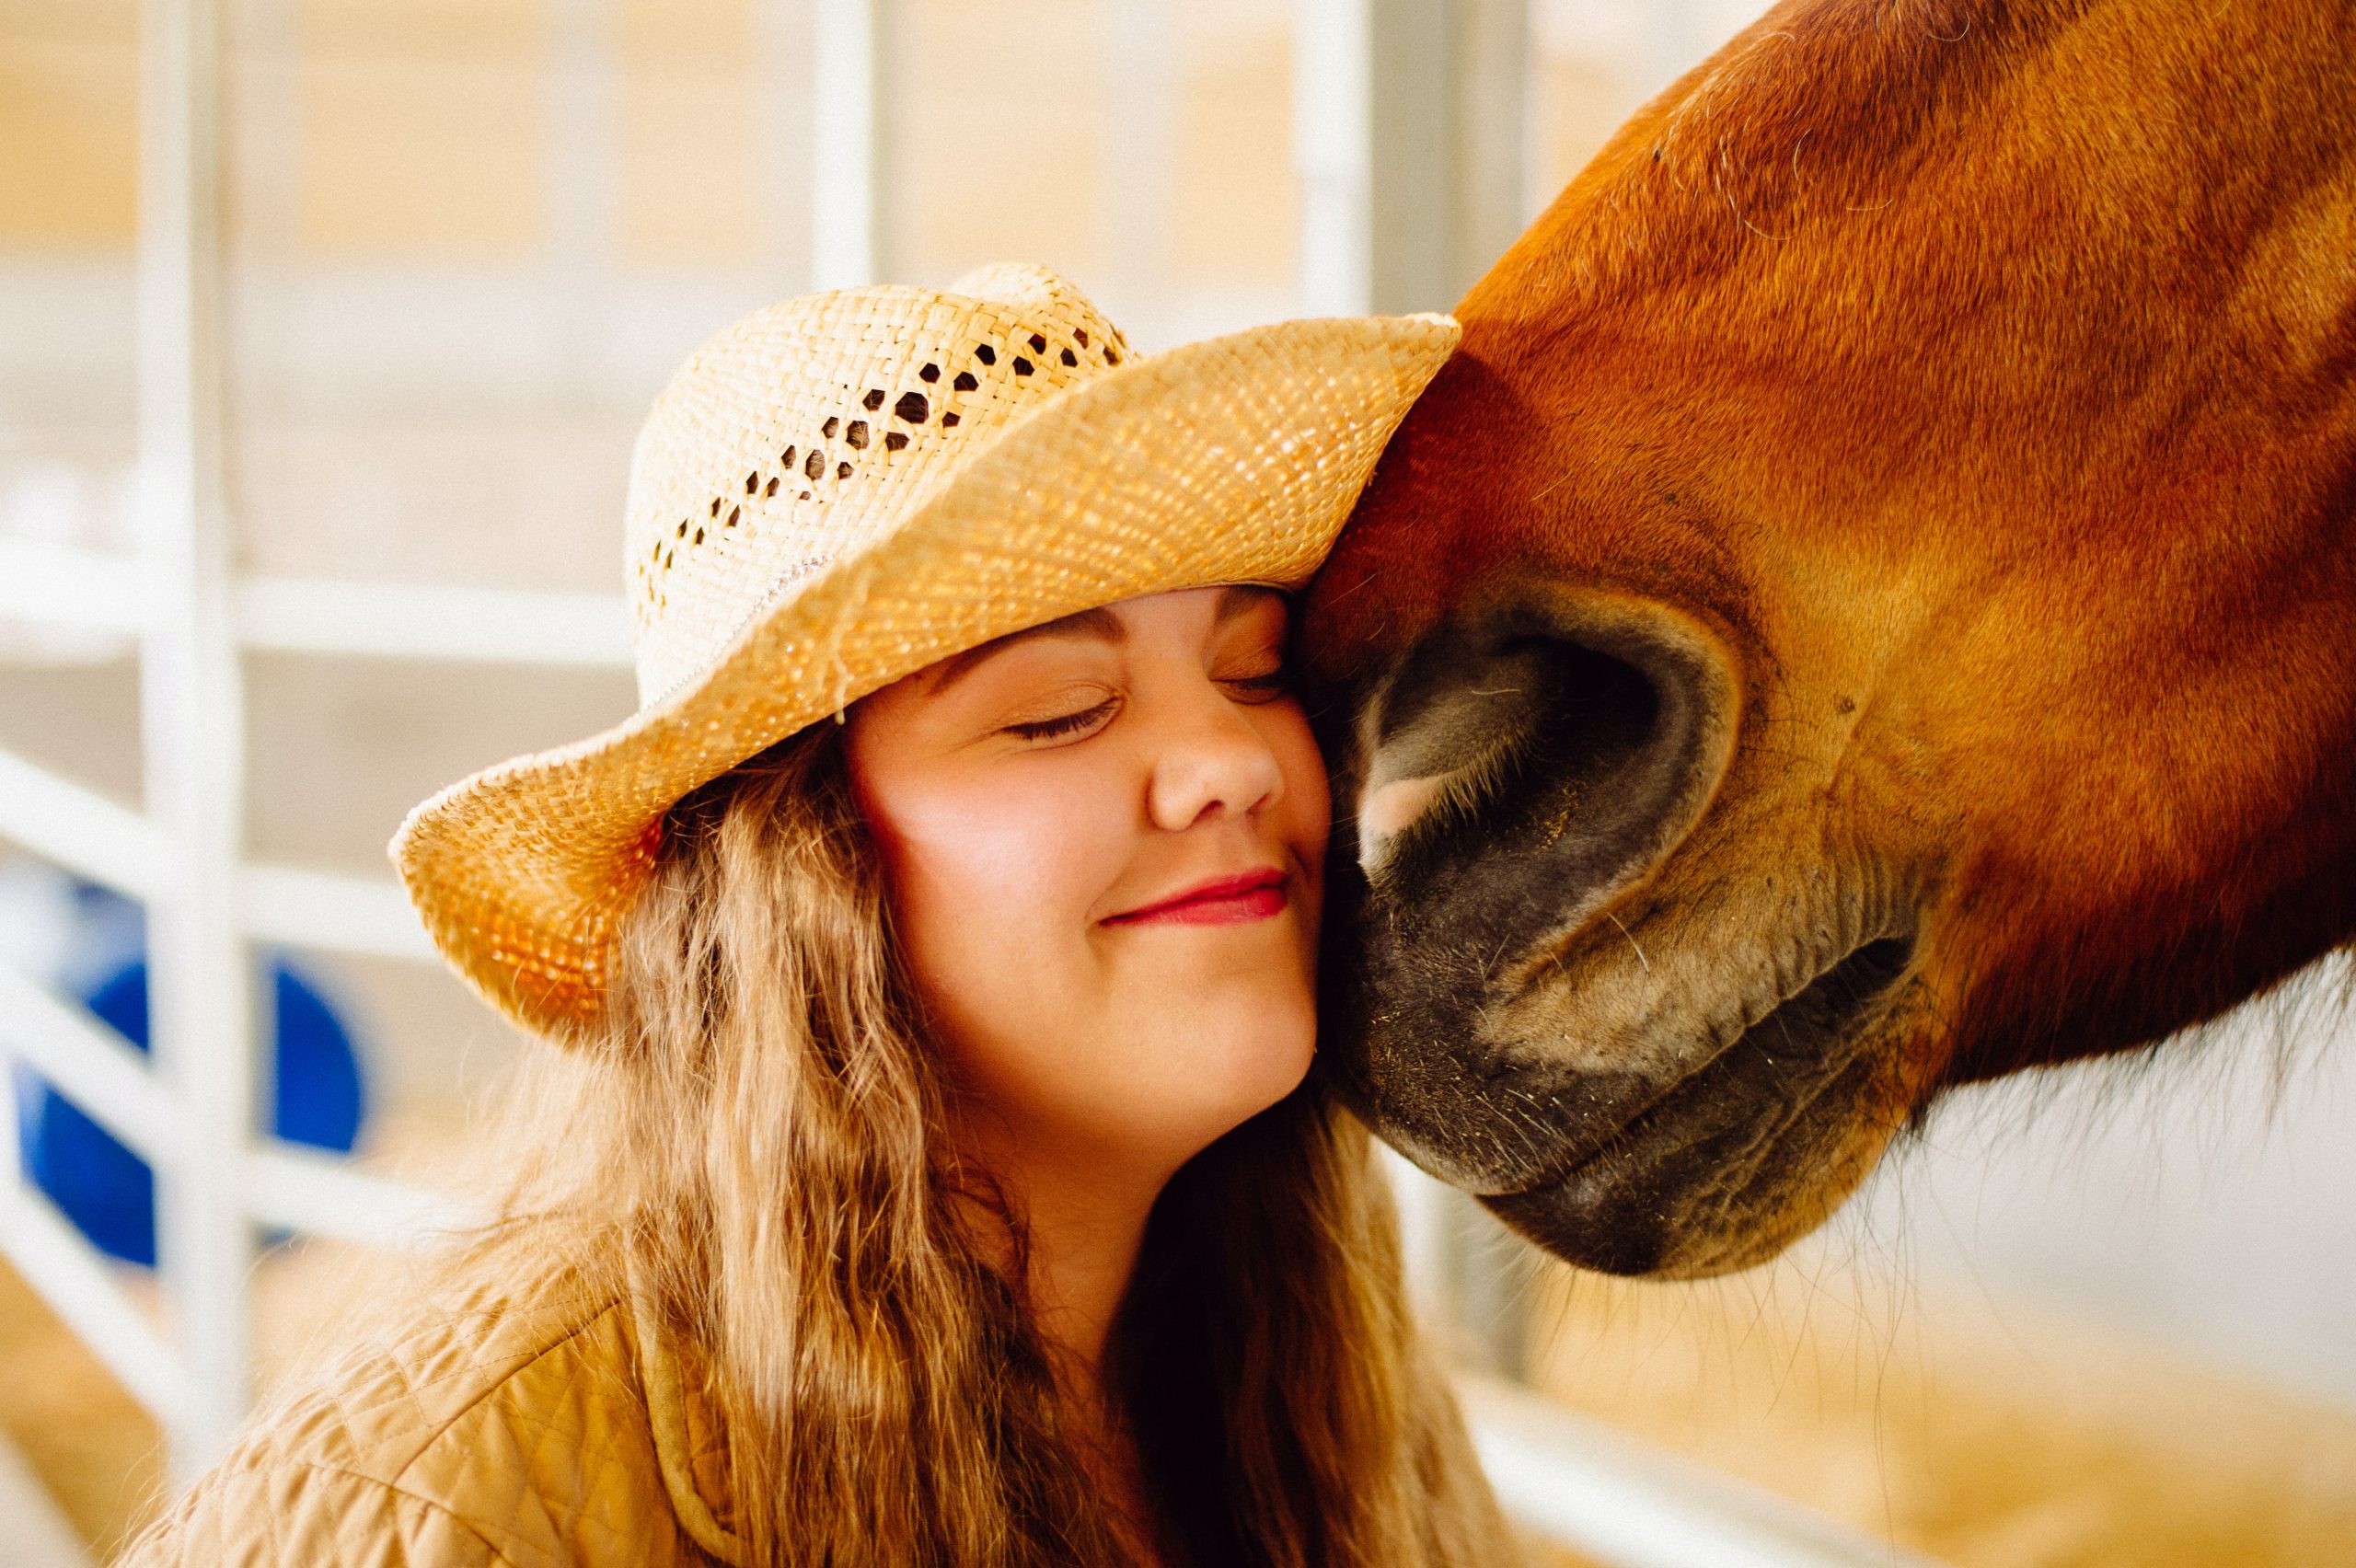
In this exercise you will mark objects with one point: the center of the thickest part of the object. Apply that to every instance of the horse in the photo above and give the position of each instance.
(1870, 608)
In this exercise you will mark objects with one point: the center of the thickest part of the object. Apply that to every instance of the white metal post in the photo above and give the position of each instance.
(848, 143)
(1493, 135)
(1333, 150)
(201, 1003)
(1409, 141)
(1411, 154)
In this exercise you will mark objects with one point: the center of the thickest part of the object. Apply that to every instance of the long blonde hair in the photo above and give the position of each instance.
(756, 1140)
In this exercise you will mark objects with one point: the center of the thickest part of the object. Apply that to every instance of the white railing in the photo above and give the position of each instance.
(86, 590)
(1370, 75)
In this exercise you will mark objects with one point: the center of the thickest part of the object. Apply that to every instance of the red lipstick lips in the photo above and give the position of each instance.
(1222, 900)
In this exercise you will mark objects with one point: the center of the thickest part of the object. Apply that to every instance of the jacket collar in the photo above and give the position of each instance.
(689, 1446)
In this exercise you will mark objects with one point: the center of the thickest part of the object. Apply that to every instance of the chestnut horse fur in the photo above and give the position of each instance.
(1871, 607)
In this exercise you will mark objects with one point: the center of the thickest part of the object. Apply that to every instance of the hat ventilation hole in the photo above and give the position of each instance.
(1034, 354)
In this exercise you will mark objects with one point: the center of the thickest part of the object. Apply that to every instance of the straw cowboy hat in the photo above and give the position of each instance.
(841, 490)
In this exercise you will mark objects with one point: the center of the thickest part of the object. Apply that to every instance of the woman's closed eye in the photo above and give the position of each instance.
(1064, 724)
(1268, 683)
(1258, 688)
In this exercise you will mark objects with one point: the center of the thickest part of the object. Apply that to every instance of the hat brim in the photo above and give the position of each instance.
(1235, 459)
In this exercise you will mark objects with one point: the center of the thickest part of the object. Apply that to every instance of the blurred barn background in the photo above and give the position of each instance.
(325, 325)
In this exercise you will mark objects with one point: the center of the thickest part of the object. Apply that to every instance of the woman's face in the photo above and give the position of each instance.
(1103, 841)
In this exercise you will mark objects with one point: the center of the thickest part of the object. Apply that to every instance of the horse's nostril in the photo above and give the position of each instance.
(1558, 748)
(1606, 720)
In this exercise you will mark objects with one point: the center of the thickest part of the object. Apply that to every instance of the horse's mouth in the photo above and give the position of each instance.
(1683, 1185)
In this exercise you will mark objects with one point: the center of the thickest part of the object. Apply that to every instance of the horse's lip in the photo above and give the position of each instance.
(1626, 1136)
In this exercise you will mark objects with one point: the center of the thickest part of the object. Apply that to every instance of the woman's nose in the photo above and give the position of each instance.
(1209, 760)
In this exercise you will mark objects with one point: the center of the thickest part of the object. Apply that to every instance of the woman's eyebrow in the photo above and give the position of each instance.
(1099, 625)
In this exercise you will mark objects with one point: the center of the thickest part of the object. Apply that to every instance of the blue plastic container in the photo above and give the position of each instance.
(107, 1191)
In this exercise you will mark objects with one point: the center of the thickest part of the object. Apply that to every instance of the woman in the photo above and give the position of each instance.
(931, 1176)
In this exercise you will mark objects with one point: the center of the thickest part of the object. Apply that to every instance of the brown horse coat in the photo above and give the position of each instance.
(1871, 605)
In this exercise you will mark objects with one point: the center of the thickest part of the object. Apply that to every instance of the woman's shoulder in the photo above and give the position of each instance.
(500, 1428)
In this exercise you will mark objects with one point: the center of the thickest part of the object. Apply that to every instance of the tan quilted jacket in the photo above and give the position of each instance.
(520, 1431)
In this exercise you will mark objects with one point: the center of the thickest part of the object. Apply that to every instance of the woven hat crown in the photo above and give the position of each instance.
(802, 433)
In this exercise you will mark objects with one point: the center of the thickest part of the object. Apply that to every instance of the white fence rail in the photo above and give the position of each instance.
(116, 847)
(86, 590)
(90, 1065)
(1378, 85)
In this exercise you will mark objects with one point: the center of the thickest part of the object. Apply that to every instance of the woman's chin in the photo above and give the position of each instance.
(1223, 1079)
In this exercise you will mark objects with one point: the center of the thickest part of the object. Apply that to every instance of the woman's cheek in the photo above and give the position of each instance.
(1005, 872)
